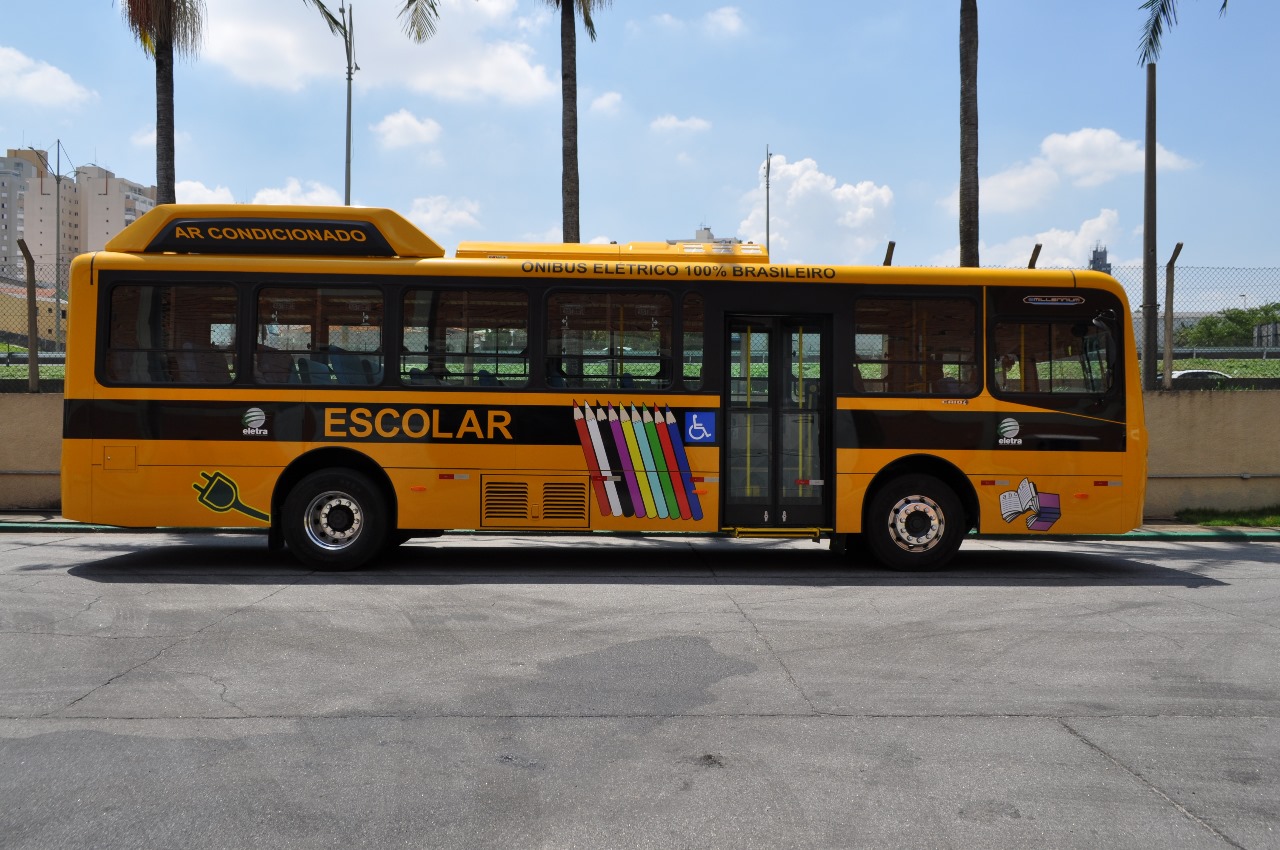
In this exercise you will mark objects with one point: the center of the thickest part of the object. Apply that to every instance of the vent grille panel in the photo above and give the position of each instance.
(549, 502)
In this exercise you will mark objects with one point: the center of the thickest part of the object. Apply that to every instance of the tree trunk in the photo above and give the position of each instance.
(969, 132)
(165, 169)
(569, 120)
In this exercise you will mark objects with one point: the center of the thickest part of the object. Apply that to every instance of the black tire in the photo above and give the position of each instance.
(335, 519)
(914, 522)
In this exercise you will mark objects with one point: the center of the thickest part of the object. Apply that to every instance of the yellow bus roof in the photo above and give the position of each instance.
(734, 252)
(266, 229)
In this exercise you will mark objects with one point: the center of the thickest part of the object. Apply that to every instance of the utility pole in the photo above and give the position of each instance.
(349, 41)
(768, 161)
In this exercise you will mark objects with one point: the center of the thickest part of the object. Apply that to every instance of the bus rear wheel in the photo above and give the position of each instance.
(335, 519)
(914, 522)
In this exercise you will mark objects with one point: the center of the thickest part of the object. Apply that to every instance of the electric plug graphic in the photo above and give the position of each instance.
(219, 493)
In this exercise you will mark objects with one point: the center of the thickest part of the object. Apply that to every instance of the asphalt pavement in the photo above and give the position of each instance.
(490, 691)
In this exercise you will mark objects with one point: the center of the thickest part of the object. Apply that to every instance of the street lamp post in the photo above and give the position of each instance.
(348, 39)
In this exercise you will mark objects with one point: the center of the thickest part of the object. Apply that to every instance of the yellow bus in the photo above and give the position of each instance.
(328, 375)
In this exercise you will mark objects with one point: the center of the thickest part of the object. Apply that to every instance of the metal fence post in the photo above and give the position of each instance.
(1168, 317)
(33, 333)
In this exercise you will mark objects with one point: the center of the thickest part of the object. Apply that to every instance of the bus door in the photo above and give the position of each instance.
(777, 448)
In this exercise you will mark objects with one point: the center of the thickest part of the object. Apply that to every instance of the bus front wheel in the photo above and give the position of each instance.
(335, 519)
(914, 522)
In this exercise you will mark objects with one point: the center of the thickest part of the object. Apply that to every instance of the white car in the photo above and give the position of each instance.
(1198, 378)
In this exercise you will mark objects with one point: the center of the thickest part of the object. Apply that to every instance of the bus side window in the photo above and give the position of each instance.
(915, 345)
(163, 333)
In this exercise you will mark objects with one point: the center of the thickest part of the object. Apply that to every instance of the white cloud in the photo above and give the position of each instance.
(670, 124)
(195, 192)
(293, 192)
(724, 22)
(1092, 157)
(1022, 187)
(815, 217)
(1087, 158)
(402, 129)
(441, 214)
(25, 79)
(607, 103)
(1060, 248)
(503, 71)
(477, 52)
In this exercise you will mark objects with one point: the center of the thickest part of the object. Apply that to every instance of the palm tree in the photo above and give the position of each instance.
(166, 28)
(569, 106)
(968, 132)
(1162, 13)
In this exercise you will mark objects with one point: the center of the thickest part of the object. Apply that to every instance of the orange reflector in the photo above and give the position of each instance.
(1082, 495)
(418, 488)
(700, 492)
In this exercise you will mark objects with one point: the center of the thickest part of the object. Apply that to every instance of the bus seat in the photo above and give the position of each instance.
(485, 378)
(274, 366)
(314, 372)
(347, 368)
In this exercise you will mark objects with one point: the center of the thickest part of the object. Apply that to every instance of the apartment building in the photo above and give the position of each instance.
(63, 215)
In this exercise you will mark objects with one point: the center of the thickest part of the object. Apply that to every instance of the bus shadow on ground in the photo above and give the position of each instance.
(206, 559)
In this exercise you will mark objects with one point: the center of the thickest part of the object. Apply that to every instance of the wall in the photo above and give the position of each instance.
(1201, 442)
(30, 450)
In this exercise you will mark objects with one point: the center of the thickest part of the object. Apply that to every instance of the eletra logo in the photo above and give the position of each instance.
(1008, 430)
(254, 418)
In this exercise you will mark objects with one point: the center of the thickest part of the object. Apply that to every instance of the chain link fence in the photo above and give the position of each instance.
(1224, 319)
(1225, 324)
(16, 344)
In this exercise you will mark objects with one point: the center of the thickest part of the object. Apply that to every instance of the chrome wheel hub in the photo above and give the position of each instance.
(916, 523)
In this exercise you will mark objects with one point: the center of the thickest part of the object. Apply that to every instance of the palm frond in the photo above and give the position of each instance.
(178, 21)
(420, 18)
(334, 23)
(1161, 13)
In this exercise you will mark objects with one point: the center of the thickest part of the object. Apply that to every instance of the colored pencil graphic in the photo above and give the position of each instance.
(593, 466)
(673, 469)
(660, 464)
(628, 466)
(650, 466)
(682, 461)
(637, 461)
(615, 463)
(602, 460)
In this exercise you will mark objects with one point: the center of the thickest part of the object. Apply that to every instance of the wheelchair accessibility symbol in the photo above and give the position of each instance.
(700, 427)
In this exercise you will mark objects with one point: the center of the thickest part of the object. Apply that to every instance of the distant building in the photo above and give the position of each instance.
(704, 235)
(94, 206)
(1098, 261)
(15, 170)
(108, 204)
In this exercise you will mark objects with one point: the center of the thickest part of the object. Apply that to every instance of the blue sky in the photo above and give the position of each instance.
(857, 100)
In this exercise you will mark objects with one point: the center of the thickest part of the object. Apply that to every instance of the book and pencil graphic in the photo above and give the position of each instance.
(637, 461)
(1042, 509)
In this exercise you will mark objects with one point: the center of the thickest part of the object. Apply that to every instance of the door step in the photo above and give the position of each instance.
(814, 534)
